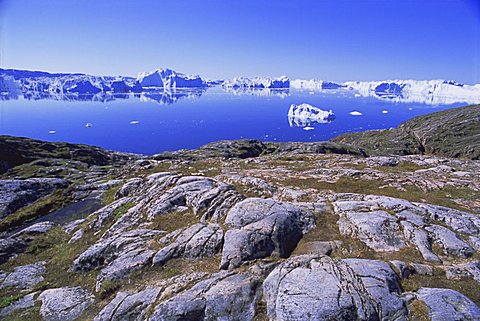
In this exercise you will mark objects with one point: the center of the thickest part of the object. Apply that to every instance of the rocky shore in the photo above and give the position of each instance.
(371, 226)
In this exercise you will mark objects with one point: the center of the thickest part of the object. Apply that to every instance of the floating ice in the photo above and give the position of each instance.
(418, 91)
(168, 78)
(134, 122)
(88, 125)
(308, 128)
(384, 111)
(304, 115)
(258, 83)
(52, 131)
(356, 113)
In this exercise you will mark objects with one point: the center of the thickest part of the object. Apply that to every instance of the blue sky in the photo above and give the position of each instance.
(332, 40)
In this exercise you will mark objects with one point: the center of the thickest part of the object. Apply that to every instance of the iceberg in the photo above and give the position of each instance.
(355, 113)
(258, 83)
(8, 85)
(304, 115)
(314, 84)
(168, 78)
(418, 91)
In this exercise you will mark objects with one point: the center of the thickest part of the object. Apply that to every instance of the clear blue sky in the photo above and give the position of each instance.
(333, 40)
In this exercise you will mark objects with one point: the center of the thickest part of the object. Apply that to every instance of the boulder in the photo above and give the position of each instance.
(129, 306)
(25, 277)
(263, 227)
(320, 288)
(64, 304)
(10, 247)
(447, 304)
(222, 296)
(196, 241)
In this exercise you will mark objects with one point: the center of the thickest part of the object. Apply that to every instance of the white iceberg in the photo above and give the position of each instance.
(258, 83)
(134, 122)
(314, 84)
(418, 91)
(9, 85)
(168, 78)
(356, 113)
(308, 128)
(304, 115)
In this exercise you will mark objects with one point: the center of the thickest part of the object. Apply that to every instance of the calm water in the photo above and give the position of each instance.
(157, 122)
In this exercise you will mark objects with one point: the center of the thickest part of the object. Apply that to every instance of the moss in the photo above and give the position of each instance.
(6, 301)
(122, 210)
(53, 248)
(39, 208)
(108, 289)
(173, 221)
(30, 314)
(442, 197)
(402, 167)
(418, 311)
(109, 195)
(466, 286)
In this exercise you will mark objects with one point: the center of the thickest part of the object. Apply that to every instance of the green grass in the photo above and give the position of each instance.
(41, 207)
(466, 286)
(109, 195)
(443, 197)
(6, 301)
(122, 210)
(172, 221)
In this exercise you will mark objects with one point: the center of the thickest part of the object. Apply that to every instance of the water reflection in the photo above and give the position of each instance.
(168, 97)
(165, 97)
(260, 92)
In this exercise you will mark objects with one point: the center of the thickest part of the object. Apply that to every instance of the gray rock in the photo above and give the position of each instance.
(420, 239)
(196, 241)
(25, 277)
(129, 188)
(76, 236)
(421, 269)
(223, 296)
(463, 270)
(167, 192)
(389, 224)
(127, 306)
(319, 288)
(319, 247)
(102, 215)
(124, 264)
(263, 227)
(447, 304)
(458, 221)
(451, 243)
(23, 303)
(117, 256)
(15, 194)
(377, 229)
(107, 250)
(71, 226)
(383, 161)
(10, 247)
(38, 228)
(402, 268)
(64, 304)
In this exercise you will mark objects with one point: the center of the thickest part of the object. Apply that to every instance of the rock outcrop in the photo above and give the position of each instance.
(64, 304)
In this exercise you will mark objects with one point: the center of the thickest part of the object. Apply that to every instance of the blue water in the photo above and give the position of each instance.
(191, 119)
